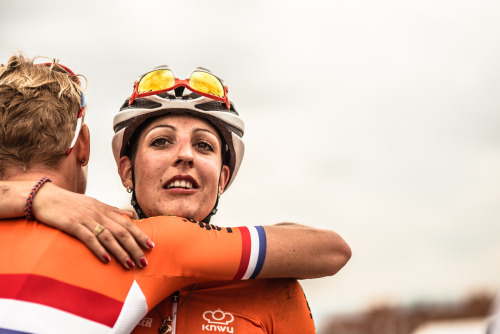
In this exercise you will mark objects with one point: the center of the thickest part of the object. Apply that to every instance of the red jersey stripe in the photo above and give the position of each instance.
(246, 248)
(66, 297)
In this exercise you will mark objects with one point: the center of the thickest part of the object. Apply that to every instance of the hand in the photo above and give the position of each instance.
(79, 215)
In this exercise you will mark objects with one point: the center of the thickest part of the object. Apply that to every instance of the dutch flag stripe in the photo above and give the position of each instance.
(262, 251)
(245, 252)
(253, 252)
(79, 301)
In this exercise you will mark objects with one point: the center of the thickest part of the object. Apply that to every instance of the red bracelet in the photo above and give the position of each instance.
(29, 200)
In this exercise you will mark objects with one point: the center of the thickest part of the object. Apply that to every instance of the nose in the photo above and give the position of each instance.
(185, 154)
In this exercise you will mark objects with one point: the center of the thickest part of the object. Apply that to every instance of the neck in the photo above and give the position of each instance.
(62, 180)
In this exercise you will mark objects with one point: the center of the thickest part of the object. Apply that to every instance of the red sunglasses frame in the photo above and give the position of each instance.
(179, 83)
(82, 103)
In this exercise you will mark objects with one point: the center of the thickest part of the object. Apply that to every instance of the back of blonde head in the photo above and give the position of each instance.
(39, 106)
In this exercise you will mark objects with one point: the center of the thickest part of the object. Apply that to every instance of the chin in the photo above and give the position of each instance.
(180, 212)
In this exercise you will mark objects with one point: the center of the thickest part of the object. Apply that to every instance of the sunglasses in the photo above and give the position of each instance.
(162, 79)
(82, 102)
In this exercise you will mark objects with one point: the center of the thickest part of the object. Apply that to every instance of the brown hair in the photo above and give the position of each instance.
(39, 106)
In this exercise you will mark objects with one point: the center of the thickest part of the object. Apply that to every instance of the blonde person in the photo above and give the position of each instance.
(49, 281)
(177, 151)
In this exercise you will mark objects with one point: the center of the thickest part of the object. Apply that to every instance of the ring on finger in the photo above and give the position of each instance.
(98, 230)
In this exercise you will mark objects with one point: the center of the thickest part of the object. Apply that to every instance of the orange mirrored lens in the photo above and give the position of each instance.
(206, 83)
(156, 80)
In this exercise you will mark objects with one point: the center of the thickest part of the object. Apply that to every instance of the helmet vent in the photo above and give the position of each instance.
(141, 103)
(216, 106)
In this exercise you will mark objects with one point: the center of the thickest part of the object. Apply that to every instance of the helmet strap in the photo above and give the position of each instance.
(133, 200)
(214, 210)
(137, 208)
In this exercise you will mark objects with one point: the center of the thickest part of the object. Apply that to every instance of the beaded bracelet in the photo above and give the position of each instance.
(29, 200)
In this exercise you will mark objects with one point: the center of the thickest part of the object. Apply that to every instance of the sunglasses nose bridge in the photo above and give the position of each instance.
(180, 85)
(182, 82)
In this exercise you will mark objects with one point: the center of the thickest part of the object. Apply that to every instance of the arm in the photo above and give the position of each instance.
(300, 251)
(292, 250)
(284, 250)
(77, 215)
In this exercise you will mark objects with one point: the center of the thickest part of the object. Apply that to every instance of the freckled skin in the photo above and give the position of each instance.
(176, 145)
(4, 190)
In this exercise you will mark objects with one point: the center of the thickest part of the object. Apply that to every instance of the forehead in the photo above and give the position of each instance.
(182, 122)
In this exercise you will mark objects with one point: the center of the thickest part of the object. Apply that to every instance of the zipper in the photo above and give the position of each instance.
(175, 301)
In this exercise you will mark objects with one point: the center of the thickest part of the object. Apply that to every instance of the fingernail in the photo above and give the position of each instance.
(130, 263)
(144, 262)
(106, 258)
(150, 243)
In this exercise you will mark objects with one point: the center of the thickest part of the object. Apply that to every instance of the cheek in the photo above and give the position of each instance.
(152, 160)
(211, 171)
(146, 167)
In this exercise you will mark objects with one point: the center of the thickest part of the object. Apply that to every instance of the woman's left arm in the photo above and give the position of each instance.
(78, 215)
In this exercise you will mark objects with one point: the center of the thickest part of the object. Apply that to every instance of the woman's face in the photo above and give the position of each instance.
(178, 167)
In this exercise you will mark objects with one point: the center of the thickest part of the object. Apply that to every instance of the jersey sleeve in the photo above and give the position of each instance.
(195, 250)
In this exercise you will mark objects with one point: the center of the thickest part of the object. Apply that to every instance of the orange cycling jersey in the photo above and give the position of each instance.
(276, 306)
(51, 283)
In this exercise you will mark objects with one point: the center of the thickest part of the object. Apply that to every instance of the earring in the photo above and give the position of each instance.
(129, 190)
(82, 161)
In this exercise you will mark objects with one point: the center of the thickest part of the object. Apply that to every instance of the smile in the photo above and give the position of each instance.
(180, 184)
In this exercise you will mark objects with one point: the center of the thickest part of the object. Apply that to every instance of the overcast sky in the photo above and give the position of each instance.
(379, 120)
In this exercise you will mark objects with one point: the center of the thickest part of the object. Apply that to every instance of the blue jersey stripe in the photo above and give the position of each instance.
(262, 251)
(10, 331)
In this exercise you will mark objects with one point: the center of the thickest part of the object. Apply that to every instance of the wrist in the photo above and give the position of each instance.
(29, 201)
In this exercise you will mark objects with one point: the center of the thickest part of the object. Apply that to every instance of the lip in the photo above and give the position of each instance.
(188, 178)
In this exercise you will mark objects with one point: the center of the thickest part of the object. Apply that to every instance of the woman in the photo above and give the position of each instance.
(178, 150)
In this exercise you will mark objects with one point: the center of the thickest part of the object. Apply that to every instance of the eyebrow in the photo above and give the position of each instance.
(164, 126)
(160, 126)
(204, 130)
(175, 129)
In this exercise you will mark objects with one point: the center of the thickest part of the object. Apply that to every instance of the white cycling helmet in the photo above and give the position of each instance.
(226, 120)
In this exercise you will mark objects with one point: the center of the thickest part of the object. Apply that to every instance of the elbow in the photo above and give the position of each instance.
(342, 258)
(331, 253)
(338, 255)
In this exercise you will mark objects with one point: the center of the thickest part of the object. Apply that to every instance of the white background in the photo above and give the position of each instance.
(379, 120)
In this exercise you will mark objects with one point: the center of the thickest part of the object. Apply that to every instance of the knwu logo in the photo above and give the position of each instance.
(218, 321)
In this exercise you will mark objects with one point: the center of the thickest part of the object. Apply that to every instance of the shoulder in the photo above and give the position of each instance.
(160, 219)
(179, 223)
(163, 223)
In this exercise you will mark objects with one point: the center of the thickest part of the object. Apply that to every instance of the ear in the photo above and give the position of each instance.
(224, 178)
(125, 171)
(83, 145)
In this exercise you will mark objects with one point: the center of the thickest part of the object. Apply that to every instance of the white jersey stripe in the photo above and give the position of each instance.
(254, 253)
(31, 317)
(134, 309)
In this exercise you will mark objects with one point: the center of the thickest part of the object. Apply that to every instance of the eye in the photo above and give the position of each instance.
(160, 141)
(205, 146)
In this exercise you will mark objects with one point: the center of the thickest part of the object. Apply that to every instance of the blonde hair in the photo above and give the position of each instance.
(39, 106)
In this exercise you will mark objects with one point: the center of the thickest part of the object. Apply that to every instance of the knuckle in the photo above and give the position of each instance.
(106, 236)
(122, 234)
(88, 239)
(126, 223)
